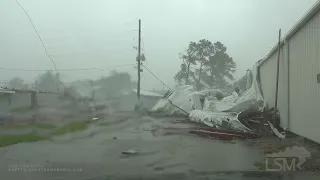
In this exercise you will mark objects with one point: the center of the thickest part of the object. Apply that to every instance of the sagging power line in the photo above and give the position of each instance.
(141, 59)
(156, 77)
(48, 55)
(35, 29)
(44, 47)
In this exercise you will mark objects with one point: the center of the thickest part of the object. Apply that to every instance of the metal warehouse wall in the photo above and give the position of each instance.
(299, 93)
(304, 54)
(268, 78)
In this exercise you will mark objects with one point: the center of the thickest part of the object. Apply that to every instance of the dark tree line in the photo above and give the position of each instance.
(205, 63)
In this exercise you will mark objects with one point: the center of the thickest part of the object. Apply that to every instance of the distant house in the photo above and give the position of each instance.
(4, 91)
(5, 100)
(5, 95)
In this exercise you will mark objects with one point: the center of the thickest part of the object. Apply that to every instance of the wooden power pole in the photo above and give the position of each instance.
(277, 80)
(139, 60)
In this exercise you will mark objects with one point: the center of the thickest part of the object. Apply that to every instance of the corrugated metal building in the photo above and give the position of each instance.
(299, 89)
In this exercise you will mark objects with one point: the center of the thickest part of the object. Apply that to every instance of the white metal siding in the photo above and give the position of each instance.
(299, 92)
(304, 91)
(283, 87)
(268, 77)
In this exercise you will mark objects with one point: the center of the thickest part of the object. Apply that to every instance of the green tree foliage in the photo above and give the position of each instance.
(212, 62)
(182, 74)
(204, 51)
(219, 66)
(188, 58)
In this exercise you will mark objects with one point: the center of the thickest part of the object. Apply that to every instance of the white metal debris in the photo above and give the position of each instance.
(276, 132)
(184, 97)
(216, 119)
(213, 112)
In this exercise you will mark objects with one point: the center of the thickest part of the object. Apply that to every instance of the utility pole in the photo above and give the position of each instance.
(277, 84)
(139, 60)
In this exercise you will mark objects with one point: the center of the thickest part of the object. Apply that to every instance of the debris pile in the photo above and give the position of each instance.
(260, 121)
(183, 100)
(243, 113)
(179, 102)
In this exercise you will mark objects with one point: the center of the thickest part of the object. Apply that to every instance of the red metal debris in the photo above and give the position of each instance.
(219, 135)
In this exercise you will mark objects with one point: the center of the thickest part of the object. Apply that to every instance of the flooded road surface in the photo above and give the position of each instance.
(156, 147)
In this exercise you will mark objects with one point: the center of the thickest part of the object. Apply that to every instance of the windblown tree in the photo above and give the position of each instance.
(219, 66)
(188, 58)
(204, 51)
(182, 74)
(212, 62)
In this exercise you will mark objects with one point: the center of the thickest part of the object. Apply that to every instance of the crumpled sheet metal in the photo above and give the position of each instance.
(210, 92)
(227, 110)
(216, 119)
(276, 132)
(251, 98)
(216, 113)
(185, 97)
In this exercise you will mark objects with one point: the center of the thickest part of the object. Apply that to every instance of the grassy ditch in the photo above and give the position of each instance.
(36, 125)
(6, 140)
(10, 139)
(71, 127)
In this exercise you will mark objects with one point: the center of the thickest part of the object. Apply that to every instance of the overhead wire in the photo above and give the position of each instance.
(46, 51)
(156, 77)
(44, 47)
(124, 65)
(34, 27)
(143, 52)
(80, 69)
(13, 69)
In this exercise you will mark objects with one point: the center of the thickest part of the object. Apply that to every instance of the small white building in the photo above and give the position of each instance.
(5, 91)
(4, 100)
(299, 77)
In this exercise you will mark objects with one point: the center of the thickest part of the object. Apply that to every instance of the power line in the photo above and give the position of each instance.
(83, 69)
(124, 65)
(156, 77)
(44, 47)
(11, 69)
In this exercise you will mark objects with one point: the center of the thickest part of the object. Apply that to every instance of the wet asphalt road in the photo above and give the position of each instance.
(161, 154)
